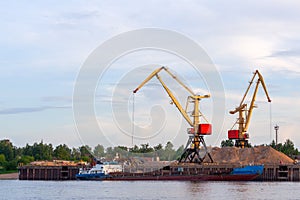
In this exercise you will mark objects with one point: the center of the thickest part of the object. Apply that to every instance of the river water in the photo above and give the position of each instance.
(166, 190)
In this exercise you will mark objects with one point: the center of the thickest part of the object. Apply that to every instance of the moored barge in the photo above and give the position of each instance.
(177, 173)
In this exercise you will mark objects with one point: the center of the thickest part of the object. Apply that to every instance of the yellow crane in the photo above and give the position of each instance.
(245, 113)
(197, 130)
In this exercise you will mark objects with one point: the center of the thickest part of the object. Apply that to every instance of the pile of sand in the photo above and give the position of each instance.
(254, 155)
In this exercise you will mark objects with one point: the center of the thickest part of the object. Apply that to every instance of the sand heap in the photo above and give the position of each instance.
(256, 155)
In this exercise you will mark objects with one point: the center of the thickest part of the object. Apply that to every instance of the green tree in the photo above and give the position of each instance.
(227, 143)
(99, 151)
(273, 144)
(85, 152)
(122, 151)
(6, 148)
(44, 151)
(179, 152)
(62, 152)
(2, 159)
(110, 154)
(289, 148)
(75, 154)
(28, 150)
(169, 152)
(158, 147)
(26, 159)
(134, 149)
(18, 152)
(11, 165)
(145, 148)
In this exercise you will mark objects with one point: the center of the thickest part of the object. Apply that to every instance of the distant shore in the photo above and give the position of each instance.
(10, 176)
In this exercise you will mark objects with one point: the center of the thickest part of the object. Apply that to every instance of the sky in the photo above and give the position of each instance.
(45, 44)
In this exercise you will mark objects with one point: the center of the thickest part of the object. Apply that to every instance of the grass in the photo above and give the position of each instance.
(8, 171)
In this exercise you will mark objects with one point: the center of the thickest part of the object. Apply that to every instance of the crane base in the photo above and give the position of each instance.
(192, 155)
(241, 143)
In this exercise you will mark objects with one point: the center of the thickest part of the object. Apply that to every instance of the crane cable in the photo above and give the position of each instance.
(270, 121)
(132, 119)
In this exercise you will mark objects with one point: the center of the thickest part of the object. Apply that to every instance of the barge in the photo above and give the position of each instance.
(169, 173)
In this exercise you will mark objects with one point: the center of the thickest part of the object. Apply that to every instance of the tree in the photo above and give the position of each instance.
(11, 165)
(158, 147)
(169, 152)
(6, 148)
(179, 152)
(85, 150)
(26, 159)
(28, 150)
(99, 151)
(122, 151)
(75, 154)
(62, 152)
(145, 148)
(110, 154)
(227, 143)
(85, 153)
(289, 149)
(2, 159)
(134, 149)
(273, 144)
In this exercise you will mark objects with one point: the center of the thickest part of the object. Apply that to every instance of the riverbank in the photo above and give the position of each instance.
(10, 176)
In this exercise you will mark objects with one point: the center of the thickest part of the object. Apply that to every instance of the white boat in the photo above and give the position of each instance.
(99, 171)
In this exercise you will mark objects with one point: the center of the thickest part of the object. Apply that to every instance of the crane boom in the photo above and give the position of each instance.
(183, 112)
(148, 78)
(174, 100)
(155, 72)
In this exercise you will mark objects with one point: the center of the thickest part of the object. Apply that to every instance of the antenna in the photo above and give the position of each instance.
(271, 122)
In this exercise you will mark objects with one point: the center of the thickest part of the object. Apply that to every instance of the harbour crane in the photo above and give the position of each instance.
(196, 130)
(245, 113)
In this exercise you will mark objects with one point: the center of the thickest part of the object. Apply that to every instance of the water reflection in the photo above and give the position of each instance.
(147, 190)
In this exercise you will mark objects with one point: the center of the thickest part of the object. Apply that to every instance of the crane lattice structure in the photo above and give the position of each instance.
(196, 131)
(245, 113)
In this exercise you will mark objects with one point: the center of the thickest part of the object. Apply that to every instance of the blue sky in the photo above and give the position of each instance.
(44, 44)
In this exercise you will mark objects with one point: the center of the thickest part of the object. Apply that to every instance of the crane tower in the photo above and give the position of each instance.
(197, 131)
(241, 135)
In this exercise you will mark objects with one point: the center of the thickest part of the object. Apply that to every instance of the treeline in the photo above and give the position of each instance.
(288, 147)
(11, 156)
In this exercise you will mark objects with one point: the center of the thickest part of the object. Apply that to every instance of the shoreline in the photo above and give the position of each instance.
(10, 176)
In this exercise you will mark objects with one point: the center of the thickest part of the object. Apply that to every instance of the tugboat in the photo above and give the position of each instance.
(100, 171)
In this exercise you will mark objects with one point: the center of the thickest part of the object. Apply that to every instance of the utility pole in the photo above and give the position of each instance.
(276, 131)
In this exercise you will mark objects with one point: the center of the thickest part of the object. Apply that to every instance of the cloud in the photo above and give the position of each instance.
(286, 53)
(18, 110)
(65, 99)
